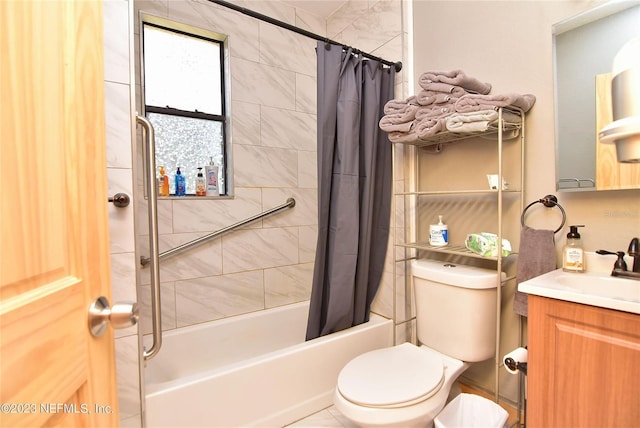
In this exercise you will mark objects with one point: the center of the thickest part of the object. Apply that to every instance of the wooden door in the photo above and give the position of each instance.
(54, 251)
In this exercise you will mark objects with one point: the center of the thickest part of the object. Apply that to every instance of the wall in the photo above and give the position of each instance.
(268, 263)
(509, 44)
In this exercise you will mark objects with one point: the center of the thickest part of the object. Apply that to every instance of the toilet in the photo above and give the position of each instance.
(408, 385)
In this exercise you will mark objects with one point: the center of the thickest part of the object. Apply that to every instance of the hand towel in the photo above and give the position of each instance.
(457, 78)
(537, 255)
(475, 102)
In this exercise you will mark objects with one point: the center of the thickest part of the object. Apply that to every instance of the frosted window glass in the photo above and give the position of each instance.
(188, 143)
(181, 72)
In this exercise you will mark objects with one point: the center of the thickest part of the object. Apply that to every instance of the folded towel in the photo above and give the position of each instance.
(403, 137)
(475, 121)
(537, 255)
(426, 98)
(428, 127)
(434, 111)
(475, 102)
(455, 77)
(387, 124)
(395, 106)
(479, 121)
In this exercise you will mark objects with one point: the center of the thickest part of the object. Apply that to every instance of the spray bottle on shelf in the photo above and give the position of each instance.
(212, 179)
(572, 253)
(181, 184)
(163, 183)
(201, 185)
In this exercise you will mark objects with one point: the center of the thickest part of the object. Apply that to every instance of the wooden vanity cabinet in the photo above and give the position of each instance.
(583, 365)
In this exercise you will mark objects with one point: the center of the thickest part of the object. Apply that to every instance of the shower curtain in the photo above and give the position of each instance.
(354, 188)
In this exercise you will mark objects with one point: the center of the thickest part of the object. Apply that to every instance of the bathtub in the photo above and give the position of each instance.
(251, 370)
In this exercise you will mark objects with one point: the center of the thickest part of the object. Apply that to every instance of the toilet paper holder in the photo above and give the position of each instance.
(514, 365)
(516, 361)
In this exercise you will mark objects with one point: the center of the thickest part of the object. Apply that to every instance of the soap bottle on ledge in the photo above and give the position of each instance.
(211, 171)
(201, 185)
(163, 183)
(181, 184)
(572, 254)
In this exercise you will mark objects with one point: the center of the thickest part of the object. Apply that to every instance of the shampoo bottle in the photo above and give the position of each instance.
(181, 184)
(572, 253)
(212, 179)
(439, 233)
(201, 185)
(163, 183)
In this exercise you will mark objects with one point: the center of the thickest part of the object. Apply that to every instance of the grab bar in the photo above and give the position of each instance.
(289, 204)
(156, 315)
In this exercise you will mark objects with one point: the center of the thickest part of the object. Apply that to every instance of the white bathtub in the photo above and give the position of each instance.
(251, 370)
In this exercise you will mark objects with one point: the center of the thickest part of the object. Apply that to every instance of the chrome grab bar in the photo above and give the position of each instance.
(156, 315)
(289, 204)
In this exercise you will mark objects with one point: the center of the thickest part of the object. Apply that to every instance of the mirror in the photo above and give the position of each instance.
(584, 47)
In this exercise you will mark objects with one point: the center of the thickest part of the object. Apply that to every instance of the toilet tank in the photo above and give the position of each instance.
(456, 308)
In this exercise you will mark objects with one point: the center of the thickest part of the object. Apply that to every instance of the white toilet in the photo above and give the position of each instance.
(408, 385)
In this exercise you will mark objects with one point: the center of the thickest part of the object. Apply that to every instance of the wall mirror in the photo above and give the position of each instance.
(584, 47)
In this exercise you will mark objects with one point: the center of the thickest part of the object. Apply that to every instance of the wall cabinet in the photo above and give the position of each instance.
(583, 365)
(447, 175)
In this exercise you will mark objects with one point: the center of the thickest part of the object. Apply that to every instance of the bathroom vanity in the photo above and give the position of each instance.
(584, 350)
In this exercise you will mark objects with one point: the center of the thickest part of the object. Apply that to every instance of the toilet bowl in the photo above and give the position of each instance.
(402, 386)
(408, 385)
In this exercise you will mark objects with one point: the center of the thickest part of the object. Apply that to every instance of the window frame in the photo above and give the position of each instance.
(225, 97)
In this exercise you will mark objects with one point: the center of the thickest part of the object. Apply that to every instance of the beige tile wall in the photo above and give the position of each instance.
(268, 263)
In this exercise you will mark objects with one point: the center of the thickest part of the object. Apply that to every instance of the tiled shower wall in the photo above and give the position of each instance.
(270, 262)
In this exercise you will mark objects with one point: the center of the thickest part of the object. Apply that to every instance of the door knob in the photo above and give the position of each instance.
(120, 315)
(120, 200)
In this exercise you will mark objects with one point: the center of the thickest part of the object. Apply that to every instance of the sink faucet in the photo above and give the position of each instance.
(620, 266)
(634, 251)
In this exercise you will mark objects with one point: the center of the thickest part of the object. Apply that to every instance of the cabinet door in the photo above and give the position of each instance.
(584, 366)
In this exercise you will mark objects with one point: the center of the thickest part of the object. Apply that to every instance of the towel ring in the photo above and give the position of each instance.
(548, 201)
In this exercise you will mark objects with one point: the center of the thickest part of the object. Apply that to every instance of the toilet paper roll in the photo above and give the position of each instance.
(511, 360)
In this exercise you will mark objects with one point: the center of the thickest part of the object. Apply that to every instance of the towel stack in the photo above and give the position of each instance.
(448, 101)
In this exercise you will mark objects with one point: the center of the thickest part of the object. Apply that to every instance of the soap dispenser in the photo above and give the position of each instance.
(181, 184)
(572, 253)
(201, 185)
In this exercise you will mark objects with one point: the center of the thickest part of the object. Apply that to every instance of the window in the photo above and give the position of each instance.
(185, 99)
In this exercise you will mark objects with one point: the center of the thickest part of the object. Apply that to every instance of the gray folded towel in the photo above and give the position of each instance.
(537, 255)
(454, 77)
(475, 102)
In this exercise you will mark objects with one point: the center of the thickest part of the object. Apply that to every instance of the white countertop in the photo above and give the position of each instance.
(596, 287)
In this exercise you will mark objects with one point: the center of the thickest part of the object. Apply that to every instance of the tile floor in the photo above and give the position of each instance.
(331, 417)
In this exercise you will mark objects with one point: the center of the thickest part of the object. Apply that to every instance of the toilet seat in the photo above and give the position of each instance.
(392, 377)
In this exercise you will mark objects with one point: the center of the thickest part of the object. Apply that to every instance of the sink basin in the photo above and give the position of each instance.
(590, 288)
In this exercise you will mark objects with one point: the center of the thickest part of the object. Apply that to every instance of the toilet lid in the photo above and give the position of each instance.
(392, 377)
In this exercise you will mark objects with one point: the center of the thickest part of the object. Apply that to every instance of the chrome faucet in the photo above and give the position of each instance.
(620, 266)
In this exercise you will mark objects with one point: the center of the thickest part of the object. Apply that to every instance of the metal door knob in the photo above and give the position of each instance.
(120, 315)
(120, 200)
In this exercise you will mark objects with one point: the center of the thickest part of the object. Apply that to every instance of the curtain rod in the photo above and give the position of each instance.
(265, 18)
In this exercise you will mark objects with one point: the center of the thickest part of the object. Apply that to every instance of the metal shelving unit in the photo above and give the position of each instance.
(413, 246)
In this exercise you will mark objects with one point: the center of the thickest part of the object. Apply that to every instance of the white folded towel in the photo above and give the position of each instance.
(475, 121)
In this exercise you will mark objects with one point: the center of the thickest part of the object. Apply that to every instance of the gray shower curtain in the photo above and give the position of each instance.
(354, 189)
